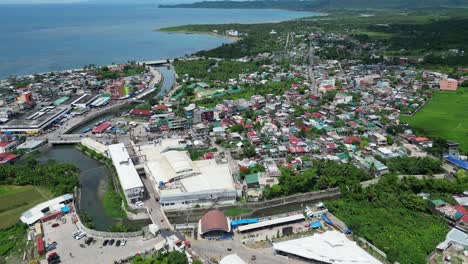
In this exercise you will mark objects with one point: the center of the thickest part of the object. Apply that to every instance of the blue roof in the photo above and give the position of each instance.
(327, 220)
(65, 209)
(316, 224)
(236, 223)
(460, 163)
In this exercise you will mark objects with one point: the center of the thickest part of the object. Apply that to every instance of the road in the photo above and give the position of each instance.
(154, 208)
(313, 84)
(219, 249)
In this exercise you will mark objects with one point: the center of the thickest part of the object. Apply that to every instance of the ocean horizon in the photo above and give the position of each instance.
(40, 38)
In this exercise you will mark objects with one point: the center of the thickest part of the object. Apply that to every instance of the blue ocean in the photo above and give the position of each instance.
(49, 37)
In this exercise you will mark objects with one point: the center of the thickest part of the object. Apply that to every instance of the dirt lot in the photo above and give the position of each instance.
(76, 251)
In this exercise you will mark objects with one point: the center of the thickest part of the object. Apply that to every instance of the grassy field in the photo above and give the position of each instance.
(445, 116)
(14, 200)
(237, 211)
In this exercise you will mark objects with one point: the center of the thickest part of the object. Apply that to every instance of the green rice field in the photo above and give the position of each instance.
(14, 200)
(445, 116)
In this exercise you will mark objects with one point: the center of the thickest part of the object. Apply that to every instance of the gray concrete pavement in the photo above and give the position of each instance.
(71, 250)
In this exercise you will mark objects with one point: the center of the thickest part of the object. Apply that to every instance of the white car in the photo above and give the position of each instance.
(124, 242)
(80, 235)
(139, 204)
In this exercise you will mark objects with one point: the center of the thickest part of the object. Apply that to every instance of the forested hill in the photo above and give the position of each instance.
(309, 5)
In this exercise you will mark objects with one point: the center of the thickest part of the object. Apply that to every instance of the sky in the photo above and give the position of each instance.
(93, 1)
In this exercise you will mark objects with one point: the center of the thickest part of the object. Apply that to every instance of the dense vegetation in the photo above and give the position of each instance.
(415, 166)
(311, 5)
(415, 34)
(213, 70)
(173, 257)
(402, 224)
(128, 70)
(12, 238)
(325, 174)
(60, 178)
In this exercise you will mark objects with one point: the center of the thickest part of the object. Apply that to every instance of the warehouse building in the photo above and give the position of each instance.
(329, 247)
(128, 176)
(272, 223)
(183, 183)
(36, 122)
(47, 208)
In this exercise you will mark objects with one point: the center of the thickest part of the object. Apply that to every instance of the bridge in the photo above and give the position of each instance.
(66, 139)
(156, 62)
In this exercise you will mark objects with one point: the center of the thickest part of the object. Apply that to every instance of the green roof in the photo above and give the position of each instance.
(251, 178)
(61, 100)
(438, 202)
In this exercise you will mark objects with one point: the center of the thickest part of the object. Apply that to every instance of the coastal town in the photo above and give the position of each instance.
(242, 160)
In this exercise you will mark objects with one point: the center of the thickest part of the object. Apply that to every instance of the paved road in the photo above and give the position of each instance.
(219, 249)
(154, 208)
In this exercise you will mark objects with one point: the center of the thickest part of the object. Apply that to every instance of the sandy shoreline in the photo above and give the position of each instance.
(234, 39)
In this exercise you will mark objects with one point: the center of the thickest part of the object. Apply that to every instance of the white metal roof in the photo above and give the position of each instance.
(128, 176)
(328, 247)
(34, 214)
(231, 259)
(276, 221)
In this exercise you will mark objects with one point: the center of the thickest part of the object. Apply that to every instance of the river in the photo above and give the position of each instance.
(94, 178)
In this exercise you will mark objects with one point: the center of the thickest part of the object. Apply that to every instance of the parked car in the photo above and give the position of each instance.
(55, 224)
(80, 235)
(111, 242)
(124, 242)
(52, 255)
(51, 247)
(89, 240)
(105, 242)
(117, 243)
(55, 261)
(76, 233)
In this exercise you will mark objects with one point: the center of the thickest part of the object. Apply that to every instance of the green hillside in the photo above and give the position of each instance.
(312, 5)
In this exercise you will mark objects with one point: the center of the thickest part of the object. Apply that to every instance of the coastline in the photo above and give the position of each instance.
(188, 32)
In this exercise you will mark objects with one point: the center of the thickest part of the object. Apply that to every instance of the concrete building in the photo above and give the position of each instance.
(34, 123)
(128, 176)
(45, 209)
(232, 259)
(448, 84)
(84, 100)
(183, 183)
(329, 247)
(94, 145)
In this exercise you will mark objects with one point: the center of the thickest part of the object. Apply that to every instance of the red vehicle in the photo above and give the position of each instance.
(52, 255)
(55, 224)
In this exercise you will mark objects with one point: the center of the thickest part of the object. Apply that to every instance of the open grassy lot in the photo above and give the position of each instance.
(14, 200)
(445, 116)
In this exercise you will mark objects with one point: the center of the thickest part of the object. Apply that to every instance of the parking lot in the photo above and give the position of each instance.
(71, 250)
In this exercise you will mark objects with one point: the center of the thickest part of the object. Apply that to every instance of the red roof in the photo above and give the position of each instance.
(208, 155)
(296, 149)
(140, 112)
(101, 128)
(248, 126)
(5, 143)
(352, 139)
(317, 114)
(160, 107)
(7, 157)
(251, 134)
(214, 220)
(421, 139)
